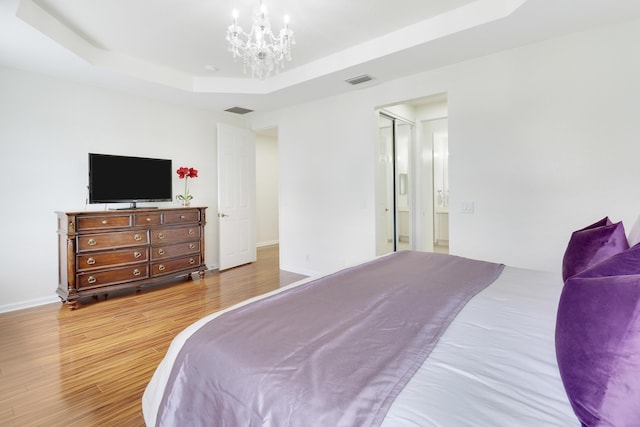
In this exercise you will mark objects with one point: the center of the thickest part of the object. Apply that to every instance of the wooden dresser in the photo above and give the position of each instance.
(104, 251)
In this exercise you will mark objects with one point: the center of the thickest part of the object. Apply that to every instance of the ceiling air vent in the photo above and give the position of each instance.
(360, 79)
(238, 110)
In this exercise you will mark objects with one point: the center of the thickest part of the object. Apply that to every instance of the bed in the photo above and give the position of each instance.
(490, 360)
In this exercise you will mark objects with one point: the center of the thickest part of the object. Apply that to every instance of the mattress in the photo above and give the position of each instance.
(494, 366)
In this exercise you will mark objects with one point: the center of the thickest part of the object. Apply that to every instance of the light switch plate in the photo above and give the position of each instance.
(467, 207)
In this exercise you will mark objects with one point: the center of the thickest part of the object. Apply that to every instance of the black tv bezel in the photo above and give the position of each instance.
(133, 201)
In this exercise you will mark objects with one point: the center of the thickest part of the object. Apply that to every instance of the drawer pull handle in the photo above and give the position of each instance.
(192, 261)
(91, 261)
(160, 236)
(192, 246)
(136, 272)
(137, 254)
(182, 217)
(191, 232)
(148, 219)
(105, 222)
(92, 280)
(91, 242)
(161, 252)
(137, 237)
(161, 267)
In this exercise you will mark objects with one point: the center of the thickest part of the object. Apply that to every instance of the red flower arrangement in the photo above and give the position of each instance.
(186, 173)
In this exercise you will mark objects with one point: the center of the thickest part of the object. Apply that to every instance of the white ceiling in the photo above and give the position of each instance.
(162, 48)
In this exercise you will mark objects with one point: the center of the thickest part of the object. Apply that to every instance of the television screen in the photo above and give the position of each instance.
(120, 179)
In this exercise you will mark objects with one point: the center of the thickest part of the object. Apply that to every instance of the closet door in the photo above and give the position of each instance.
(395, 217)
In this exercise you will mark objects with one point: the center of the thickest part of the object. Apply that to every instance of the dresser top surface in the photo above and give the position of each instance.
(128, 211)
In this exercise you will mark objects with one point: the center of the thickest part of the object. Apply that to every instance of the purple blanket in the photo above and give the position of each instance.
(332, 352)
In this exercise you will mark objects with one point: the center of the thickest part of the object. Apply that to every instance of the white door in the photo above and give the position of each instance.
(236, 196)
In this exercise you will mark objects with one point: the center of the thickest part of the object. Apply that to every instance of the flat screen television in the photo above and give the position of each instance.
(125, 179)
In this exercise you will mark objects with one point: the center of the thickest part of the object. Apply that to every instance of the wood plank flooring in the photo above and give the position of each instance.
(89, 367)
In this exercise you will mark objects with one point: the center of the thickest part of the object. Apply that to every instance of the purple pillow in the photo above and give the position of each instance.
(591, 245)
(598, 341)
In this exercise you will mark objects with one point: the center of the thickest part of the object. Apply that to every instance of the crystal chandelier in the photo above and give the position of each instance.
(260, 49)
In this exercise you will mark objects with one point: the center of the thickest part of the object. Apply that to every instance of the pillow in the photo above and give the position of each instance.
(598, 341)
(621, 264)
(593, 244)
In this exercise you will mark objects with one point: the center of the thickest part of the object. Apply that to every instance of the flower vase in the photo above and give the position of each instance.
(185, 203)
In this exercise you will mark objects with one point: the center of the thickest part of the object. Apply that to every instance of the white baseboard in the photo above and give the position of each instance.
(28, 304)
(213, 267)
(302, 271)
(272, 242)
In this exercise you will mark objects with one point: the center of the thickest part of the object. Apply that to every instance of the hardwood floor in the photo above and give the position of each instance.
(89, 367)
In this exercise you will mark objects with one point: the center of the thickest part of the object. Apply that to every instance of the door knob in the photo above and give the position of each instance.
(221, 215)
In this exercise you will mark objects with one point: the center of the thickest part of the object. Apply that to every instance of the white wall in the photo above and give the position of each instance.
(47, 127)
(326, 183)
(266, 189)
(543, 139)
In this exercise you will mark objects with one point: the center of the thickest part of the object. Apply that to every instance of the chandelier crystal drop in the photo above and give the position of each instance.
(261, 50)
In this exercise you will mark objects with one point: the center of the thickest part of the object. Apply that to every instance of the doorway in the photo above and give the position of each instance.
(249, 167)
(435, 139)
(267, 187)
(412, 180)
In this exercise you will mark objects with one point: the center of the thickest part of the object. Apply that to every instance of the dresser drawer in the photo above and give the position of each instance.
(182, 216)
(172, 251)
(142, 219)
(103, 222)
(175, 235)
(98, 260)
(91, 242)
(170, 266)
(98, 279)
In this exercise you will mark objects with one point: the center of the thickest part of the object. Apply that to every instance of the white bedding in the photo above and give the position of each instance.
(494, 366)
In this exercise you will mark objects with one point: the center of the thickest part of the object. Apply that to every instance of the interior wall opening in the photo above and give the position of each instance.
(267, 187)
(412, 184)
